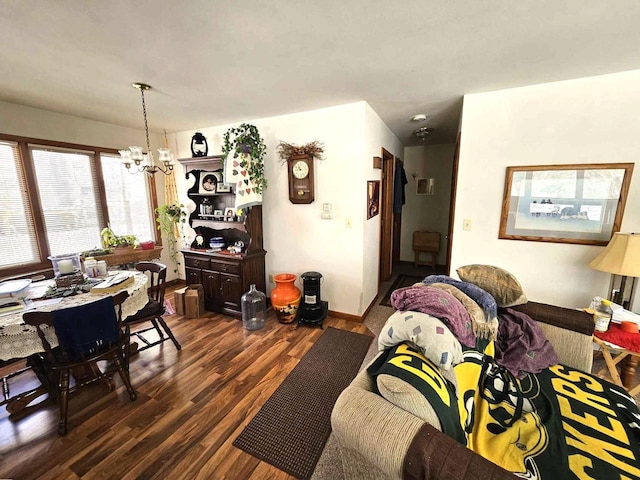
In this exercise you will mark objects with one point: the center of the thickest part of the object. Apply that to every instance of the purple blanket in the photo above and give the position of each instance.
(522, 346)
(437, 303)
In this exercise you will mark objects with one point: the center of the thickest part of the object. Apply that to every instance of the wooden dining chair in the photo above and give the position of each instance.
(86, 334)
(154, 309)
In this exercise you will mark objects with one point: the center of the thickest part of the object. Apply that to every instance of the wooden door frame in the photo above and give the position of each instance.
(452, 201)
(386, 216)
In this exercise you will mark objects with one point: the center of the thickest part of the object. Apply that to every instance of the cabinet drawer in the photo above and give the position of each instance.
(225, 267)
(196, 262)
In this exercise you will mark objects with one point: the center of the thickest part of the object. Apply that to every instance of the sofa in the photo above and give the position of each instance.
(374, 436)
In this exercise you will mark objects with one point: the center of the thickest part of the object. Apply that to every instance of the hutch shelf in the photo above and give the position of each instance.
(225, 276)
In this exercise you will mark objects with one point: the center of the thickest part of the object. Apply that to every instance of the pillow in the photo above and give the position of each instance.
(429, 334)
(502, 285)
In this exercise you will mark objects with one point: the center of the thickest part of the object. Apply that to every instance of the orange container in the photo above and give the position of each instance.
(631, 327)
(285, 298)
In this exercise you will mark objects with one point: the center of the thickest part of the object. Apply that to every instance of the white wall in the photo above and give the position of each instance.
(295, 237)
(590, 120)
(427, 212)
(377, 135)
(45, 125)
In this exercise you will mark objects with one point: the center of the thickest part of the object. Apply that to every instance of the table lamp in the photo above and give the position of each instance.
(621, 258)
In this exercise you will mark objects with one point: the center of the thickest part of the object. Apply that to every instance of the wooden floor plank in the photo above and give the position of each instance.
(191, 405)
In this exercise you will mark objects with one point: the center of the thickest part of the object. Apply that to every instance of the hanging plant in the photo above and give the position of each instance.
(171, 217)
(246, 144)
(287, 150)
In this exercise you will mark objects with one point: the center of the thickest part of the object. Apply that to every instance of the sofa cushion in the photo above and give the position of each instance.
(502, 285)
(429, 334)
(404, 396)
(410, 381)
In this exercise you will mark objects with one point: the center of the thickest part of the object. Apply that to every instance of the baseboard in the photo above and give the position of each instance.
(354, 318)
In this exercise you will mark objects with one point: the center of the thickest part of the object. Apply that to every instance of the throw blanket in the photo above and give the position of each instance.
(439, 304)
(488, 329)
(522, 347)
(558, 424)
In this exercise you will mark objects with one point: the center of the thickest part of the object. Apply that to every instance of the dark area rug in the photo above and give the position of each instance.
(401, 281)
(293, 425)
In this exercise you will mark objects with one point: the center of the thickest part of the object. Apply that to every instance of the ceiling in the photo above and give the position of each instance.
(214, 62)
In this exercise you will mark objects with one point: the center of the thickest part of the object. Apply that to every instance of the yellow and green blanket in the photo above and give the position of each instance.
(558, 424)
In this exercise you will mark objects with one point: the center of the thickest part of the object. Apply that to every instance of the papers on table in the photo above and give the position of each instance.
(114, 284)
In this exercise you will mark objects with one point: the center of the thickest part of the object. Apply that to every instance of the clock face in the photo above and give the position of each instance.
(300, 169)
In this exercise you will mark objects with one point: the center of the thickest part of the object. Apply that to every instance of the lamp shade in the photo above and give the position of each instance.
(621, 256)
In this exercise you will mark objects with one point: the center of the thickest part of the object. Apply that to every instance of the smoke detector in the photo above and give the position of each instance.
(423, 132)
(421, 117)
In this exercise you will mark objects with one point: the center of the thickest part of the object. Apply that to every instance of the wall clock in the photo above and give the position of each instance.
(300, 179)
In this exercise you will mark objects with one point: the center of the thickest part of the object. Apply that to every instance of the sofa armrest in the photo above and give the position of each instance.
(577, 321)
(380, 432)
(454, 461)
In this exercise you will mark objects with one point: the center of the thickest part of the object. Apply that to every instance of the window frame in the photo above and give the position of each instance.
(27, 167)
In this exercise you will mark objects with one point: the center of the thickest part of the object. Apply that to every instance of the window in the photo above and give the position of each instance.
(56, 198)
(128, 199)
(17, 234)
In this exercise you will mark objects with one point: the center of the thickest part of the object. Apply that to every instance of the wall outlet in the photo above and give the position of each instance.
(270, 278)
(466, 224)
(347, 222)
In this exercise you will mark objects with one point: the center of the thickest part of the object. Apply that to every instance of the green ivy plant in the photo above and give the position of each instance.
(168, 217)
(245, 142)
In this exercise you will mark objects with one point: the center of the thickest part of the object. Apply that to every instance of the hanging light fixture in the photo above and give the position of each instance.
(144, 162)
(423, 132)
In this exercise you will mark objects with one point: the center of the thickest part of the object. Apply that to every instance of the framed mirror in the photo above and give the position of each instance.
(580, 204)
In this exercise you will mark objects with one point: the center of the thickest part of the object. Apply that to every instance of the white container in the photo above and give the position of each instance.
(91, 268)
(65, 264)
(602, 316)
(102, 268)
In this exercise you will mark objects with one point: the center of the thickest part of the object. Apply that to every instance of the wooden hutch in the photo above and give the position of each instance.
(225, 276)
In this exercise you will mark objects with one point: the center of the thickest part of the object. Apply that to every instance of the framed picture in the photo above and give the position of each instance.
(222, 188)
(373, 198)
(425, 186)
(218, 213)
(580, 204)
(229, 213)
(208, 183)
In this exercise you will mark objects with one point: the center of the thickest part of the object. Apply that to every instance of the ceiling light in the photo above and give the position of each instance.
(421, 117)
(144, 162)
(423, 132)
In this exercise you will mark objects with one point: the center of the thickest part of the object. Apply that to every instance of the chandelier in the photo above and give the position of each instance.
(144, 162)
(423, 132)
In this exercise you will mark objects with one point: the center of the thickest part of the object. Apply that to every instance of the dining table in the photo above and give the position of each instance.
(21, 341)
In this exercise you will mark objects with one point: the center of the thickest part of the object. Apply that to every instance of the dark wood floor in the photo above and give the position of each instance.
(191, 406)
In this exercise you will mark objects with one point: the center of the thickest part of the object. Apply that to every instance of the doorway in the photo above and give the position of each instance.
(386, 217)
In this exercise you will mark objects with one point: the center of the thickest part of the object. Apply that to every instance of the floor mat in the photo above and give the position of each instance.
(293, 425)
(401, 281)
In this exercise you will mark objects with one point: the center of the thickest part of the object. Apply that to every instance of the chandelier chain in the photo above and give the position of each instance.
(146, 126)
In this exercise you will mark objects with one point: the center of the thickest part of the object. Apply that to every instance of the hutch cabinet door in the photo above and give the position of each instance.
(231, 291)
(193, 275)
(212, 288)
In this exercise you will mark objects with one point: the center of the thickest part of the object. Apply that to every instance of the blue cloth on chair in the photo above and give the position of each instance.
(478, 295)
(85, 328)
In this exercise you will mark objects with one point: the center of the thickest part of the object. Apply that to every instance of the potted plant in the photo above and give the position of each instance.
(110, 240)
(246, 145)
(170, 218)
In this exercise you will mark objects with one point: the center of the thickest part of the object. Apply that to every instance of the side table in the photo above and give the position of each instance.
(619, 346)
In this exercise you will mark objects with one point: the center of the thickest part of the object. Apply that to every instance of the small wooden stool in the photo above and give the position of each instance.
(610, 370)
(426, 242)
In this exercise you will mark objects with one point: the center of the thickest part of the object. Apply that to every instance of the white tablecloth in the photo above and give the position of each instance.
(19, 340)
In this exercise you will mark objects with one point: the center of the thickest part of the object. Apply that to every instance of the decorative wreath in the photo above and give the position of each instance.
(287, 150)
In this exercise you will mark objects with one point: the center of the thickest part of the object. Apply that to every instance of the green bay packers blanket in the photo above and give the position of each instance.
(558, 424)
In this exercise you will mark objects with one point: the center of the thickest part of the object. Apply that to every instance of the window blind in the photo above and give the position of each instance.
(128, 200)
(17, 232)
(69, 199)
